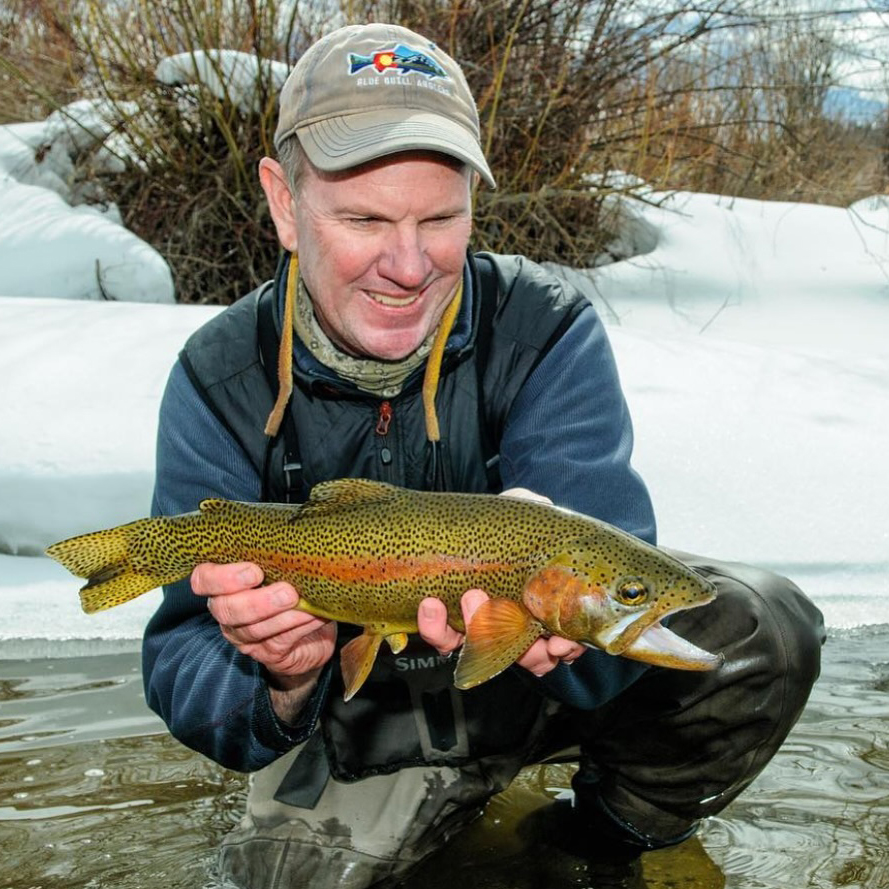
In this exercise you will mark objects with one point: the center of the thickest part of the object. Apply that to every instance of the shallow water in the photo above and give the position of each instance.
(94, 794)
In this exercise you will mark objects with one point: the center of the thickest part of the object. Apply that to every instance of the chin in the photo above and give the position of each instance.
(392, 354)
(392, 348)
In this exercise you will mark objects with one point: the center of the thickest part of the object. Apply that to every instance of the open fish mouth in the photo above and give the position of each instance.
(642, 637)
(662, 647)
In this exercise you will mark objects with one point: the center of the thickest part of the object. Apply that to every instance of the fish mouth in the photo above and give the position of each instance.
(642, 637)
(663, 648)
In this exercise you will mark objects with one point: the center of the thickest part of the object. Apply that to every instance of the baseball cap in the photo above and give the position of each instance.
(366, 91)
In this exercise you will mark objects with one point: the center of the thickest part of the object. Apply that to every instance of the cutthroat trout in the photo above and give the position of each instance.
(367, 553)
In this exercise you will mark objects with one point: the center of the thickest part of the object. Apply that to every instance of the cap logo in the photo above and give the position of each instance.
(401, 58)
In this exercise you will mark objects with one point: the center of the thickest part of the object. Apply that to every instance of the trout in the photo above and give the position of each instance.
(366, 553)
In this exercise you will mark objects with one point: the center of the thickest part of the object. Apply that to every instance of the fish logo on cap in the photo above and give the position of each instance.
(401, 58)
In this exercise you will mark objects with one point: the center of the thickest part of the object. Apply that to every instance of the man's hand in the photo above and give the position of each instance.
(544, 655)
(261, 622)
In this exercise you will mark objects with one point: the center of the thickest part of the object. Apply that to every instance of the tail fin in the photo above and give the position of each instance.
(104, 558)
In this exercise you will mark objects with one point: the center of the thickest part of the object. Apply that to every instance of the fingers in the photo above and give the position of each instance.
(564, 649)
(245, 611)
(262, 621)
(214, 580)
(470, 602)
(546, 654)
(432, 624)
(292, 650)
(525, 494)
(256, 614)
(253, 606)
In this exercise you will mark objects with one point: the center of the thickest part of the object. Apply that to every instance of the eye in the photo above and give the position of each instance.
(632, 591)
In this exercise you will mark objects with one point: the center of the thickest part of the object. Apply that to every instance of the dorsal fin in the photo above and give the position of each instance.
(213, 504)
(343, 492)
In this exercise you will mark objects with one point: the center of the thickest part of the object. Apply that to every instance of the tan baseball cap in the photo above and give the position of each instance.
(365, 91)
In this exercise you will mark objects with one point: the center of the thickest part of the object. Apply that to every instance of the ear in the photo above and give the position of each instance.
(277, 192)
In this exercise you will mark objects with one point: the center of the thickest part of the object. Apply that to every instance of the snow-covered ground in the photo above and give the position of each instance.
(752, 340)
(753, 343)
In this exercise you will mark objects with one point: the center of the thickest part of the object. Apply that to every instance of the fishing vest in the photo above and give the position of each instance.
(407, 712)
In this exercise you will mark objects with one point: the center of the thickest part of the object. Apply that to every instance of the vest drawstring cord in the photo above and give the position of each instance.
(285, 352)
(433, 365)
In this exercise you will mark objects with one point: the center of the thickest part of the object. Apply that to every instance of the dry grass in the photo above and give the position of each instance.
(566, 89)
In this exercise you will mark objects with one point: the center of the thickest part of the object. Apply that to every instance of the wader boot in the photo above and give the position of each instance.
(679, 746)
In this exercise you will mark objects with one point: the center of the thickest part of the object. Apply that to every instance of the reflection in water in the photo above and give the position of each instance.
(818, 816)
(94, 793)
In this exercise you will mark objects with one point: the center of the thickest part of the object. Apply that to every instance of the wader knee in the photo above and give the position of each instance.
(357, 833)
(678, 746)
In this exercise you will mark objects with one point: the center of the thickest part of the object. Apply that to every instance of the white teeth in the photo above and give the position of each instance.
(392, 301)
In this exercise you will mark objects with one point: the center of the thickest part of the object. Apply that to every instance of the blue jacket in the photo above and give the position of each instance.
(567, 436)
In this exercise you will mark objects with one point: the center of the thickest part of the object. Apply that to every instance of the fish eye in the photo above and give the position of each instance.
(632, 591)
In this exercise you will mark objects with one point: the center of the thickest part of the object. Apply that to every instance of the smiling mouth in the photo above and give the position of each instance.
(398, 302)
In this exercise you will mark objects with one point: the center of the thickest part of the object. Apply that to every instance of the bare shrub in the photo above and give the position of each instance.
(192, 189)
(747, 115)
(709, 98)
(40, 64)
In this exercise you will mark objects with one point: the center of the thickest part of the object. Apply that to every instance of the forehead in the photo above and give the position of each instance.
(401, 160)
(405, 177)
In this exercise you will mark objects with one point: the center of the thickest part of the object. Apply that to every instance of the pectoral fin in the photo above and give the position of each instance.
(357, 659)
(498, 634)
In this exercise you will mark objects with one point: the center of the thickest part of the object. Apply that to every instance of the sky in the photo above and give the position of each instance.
(751, 338)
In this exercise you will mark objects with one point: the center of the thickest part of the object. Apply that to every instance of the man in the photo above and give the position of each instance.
(383, 349)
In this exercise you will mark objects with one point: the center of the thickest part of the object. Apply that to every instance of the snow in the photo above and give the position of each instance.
(49, 244)
(790, 276)
(751, 340)
(226, 73)
(79, 424)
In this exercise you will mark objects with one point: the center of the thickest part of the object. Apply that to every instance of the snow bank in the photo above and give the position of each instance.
(767, 456)
(226, 73)
(49, 247)
(78, 416)
(751, 343)
(790, 276)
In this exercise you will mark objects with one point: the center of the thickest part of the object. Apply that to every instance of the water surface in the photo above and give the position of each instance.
(94, 793)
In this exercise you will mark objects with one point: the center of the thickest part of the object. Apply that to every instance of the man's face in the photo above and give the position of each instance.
(381, 250)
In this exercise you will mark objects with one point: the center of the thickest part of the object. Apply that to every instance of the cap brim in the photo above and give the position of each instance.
(343, 142)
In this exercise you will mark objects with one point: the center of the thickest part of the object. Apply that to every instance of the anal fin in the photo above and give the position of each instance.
(498, 635)
(397, 642)
(356, 661)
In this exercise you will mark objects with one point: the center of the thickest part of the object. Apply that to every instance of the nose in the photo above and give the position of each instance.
(405, 261)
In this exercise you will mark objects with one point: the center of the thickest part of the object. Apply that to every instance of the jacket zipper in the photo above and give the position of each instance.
(384, 420)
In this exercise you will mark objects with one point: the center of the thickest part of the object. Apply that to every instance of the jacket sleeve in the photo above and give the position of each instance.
(569, 437)
(213, 699)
